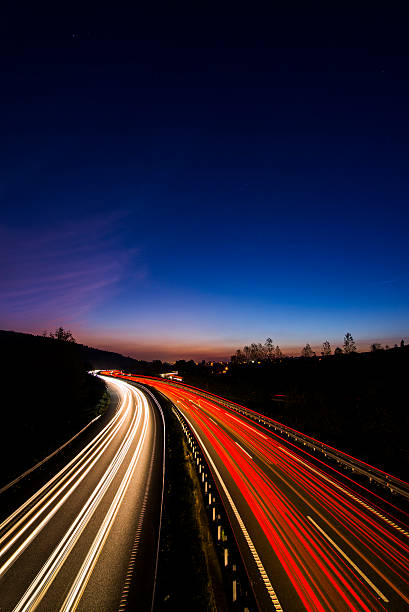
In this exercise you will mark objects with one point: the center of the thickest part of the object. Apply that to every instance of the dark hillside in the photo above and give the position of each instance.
(91, 358)
(47, 396)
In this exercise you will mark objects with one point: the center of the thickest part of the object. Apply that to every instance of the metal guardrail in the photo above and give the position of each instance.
(393, 484)
(40, 463)
(239, 590)
(238, 586)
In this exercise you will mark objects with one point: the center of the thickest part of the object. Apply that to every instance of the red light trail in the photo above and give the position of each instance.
(323, 545)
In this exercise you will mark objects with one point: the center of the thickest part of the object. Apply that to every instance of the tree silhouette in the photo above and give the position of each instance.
(269, 348)
(349, 343)
(278, 352)
(261, 352)
(338, 351)
(326, 348)
(254, 351)
(238, 357)
(61, 334)
(307, 351)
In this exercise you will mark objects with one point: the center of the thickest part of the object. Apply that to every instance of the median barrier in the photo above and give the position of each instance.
(237, 582)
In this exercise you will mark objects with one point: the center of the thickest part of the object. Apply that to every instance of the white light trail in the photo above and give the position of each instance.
(57, 489)
(50, 569)
(20, 529)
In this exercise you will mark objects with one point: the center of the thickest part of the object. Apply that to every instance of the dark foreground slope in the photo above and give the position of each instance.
(358, 403)
(46, 397)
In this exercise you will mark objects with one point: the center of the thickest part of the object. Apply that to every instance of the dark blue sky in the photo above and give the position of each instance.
(182, 184)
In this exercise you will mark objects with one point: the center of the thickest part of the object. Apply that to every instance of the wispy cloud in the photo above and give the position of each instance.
(62, 273)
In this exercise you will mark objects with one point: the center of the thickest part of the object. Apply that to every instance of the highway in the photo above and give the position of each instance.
(88, 538)
(310, 537)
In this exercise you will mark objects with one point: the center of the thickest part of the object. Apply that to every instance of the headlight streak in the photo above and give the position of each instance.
(48, 457)
(84, 451)
(320, 571)
(96, 514)
(50, 569)
(72, 600)
(80, 473)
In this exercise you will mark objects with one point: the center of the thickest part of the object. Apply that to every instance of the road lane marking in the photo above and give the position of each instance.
(248, 426)
(244, 451)
(59, 488)
(351, 495)
(135, 549)
(263, 573)
(356, 568)
(78, 587)
(44, 578)
(62, 474)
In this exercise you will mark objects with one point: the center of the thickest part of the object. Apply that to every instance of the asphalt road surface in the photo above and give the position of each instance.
(88, 538)
(311, 538)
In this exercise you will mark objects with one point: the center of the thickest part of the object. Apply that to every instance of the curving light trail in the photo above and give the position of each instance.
(63, 528)
(322, 542)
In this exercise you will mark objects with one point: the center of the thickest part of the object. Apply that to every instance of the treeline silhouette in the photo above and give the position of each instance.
(257, 351)
(357, 402)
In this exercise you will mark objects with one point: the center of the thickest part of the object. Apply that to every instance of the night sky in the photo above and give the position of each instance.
(183, 183)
